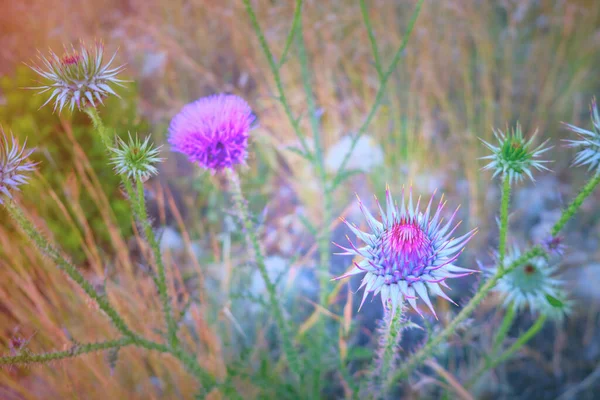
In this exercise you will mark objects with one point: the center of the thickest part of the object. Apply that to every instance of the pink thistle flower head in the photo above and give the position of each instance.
(14, 167)
(78, 78)
(409, 254)
(213, 131)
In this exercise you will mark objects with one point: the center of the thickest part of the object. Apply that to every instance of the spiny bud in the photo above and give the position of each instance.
(589, 141)
(514, 156)
(14, 167)
(533, 285)
(136, 158)
(78, 78)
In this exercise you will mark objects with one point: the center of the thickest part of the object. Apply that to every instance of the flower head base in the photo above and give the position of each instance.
(78, 78)
(135, 158)
(407, 255)
(213, 131)
(514, 156)
(589, 142)
(532, 285)
(13, 166)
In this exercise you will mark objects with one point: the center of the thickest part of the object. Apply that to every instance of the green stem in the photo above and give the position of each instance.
(323, 238)
(575, 204)
(99, 126)
(161, 280)
(189, 362)
(425, 352)
(503, 222)
(384, 80)
(507, 321)
(250, 230)
(290, 36)
(26, 357)
(138, 205)
(394, 330)
(365, 14)
(276, 75)
(47, 249)
(107, 140)
(508, 353)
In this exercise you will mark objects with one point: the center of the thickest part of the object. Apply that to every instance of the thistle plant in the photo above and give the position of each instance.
(407, 254)
(513, 159)
(134, 161)
(213, 133)
(77, 78)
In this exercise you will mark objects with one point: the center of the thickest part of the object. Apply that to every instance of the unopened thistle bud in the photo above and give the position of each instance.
(14, 167)
(514, 156)
(136, 158)
(78, 78)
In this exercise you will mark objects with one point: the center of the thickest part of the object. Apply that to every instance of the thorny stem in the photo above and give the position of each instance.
(161, 281)
(508, 353)
(253, 244)
(107, 141)
(189, 361)
(503, 222)
(390, 341)
(575, 204)
(138, 204)
(25, 357)
(47, 249)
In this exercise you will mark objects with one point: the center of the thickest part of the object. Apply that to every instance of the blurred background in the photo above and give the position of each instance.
(470, 65)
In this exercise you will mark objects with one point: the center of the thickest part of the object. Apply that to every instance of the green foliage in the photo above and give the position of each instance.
(51, 133)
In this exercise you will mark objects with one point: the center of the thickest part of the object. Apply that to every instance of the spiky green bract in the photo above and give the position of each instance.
(78, 78)
(135, 158)
(514, 156)
(14, 167)
(589, 142)
(532, 285)
(409, 254)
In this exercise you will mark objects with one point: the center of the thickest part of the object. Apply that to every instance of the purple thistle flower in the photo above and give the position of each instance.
(409, 254)
(13, 166)
(213, 131)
